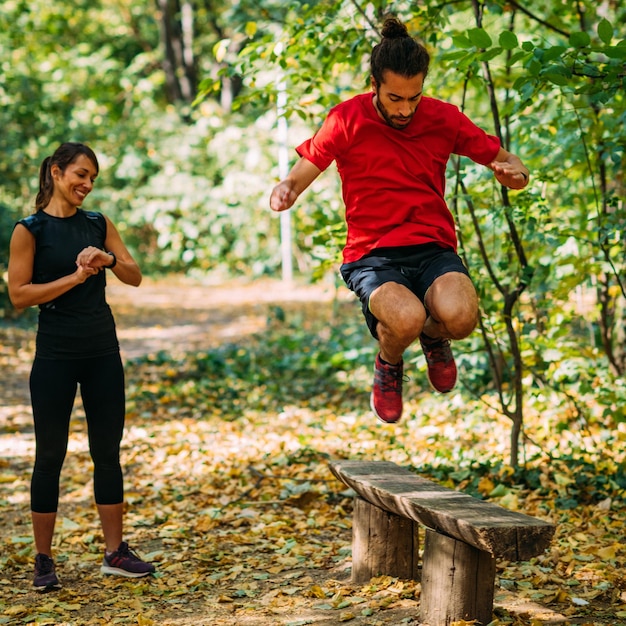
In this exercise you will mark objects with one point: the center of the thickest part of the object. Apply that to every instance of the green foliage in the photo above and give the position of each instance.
(188, 185)
(6, 228)
(290, 364)
(314, 371)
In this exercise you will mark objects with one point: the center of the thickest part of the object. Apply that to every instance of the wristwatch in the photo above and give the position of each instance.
(110, 267)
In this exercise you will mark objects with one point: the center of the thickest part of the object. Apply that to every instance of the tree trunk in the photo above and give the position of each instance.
(177, 40)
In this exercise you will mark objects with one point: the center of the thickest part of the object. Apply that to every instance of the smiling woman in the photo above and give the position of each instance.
(71, 172)
(56, 262)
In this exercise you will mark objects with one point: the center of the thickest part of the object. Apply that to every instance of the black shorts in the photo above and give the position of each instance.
(415, 267)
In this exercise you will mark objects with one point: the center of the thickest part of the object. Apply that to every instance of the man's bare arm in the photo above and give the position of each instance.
(299, 178)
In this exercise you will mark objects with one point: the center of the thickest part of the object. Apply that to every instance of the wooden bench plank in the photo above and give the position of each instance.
(484, 525)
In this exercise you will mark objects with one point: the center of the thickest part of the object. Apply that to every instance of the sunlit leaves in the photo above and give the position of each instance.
(228, 491)
(251, 29)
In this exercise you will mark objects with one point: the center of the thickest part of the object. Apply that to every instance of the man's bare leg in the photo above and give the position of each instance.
(400, 316)
(453, 306)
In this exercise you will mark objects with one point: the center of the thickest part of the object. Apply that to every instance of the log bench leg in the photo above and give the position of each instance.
(458, 582)
(383, 543)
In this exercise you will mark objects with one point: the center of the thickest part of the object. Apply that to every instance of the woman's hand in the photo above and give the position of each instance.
(93, 258)
(83, 272)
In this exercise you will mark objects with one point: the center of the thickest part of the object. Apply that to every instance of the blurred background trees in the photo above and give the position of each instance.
(178, 97)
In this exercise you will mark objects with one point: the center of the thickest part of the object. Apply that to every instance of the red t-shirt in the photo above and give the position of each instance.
(393, 180)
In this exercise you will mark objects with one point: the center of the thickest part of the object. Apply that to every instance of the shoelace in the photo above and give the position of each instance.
(124, 551)
(389, 378)
(45, 565)
(438, 351)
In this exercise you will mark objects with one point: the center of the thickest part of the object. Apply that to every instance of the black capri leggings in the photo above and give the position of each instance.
(53, 385)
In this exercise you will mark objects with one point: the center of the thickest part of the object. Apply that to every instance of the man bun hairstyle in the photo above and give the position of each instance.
(63, 156)
(398, 52)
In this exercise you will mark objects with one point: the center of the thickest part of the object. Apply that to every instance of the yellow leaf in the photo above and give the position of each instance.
(606, 554)
(220, 49)
(317, 592)
(485, 485)
(18, 609)
(561, 596)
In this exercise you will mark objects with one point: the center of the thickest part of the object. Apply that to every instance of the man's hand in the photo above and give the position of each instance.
(287, 191)
(283, 196)
(509, 170)
(509, 175)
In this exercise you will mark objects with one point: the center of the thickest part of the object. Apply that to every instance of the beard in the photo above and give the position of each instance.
(395, 121)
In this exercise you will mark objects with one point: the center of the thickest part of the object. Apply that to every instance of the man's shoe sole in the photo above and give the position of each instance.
(430, 382)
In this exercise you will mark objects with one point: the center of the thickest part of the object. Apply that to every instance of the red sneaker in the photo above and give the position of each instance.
(386, 398)
(441, 365)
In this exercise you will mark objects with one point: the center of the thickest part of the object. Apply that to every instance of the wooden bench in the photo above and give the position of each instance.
(463, 538)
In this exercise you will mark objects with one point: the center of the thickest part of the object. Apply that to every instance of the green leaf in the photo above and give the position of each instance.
(490, 54)
(479, 37)
(615, 52)
(508, 40)
(499, 491)
(517, 56)
(461, 41)
(557, 74)
(557, 79)
(605, 31)
(453, 56)
(580, 40)
(549, 54)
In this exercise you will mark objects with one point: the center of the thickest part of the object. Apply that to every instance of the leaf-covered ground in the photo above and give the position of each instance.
(238, 396)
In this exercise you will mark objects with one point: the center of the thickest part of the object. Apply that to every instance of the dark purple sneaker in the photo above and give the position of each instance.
(386, 398)
(45, 576)
(124, 562)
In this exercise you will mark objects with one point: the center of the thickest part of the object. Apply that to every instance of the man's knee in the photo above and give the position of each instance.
(406, 326)
(462, 325)
(399, 311)
(452, 301)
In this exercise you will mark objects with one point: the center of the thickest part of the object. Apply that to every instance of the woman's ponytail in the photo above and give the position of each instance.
(46, 185)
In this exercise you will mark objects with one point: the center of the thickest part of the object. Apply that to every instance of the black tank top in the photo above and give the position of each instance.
(79, 323)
